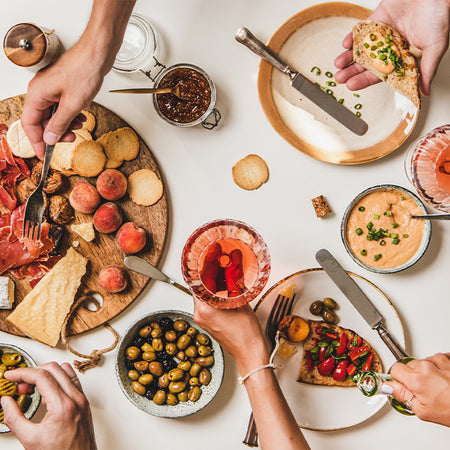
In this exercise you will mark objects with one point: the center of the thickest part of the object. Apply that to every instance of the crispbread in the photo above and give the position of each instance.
(42, 312)
(88, 159)
(250, 172)
(408, 84)
(89, 123)
(120, 145)
(144, 187)
(63, 154)
(314, 377)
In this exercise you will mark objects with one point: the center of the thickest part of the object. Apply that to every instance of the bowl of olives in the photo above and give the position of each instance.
(12, 357)
(168, 366)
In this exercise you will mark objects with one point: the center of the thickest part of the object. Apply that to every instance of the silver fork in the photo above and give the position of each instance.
(281, 307)
(34, 209)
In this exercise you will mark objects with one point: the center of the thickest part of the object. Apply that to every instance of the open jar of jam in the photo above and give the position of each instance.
(194, 100)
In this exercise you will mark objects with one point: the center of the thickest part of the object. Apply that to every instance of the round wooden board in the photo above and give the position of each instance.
(102, 251)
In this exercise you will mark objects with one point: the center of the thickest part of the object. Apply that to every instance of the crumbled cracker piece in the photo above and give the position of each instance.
(321, 206)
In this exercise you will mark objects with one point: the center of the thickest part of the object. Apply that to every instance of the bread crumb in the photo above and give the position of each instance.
(321, 206)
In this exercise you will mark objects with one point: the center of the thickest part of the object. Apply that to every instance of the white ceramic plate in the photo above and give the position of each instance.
(325, 408)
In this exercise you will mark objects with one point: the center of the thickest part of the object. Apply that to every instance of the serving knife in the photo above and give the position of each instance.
(359, 300)
(304, 85)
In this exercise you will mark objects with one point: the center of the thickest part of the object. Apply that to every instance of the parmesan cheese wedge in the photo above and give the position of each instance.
(18, 141)
(85, 230)
(41, 313)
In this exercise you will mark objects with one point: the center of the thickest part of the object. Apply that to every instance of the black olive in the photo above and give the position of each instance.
(168, 365)
(162, 356)
(151, 391)
(166, 324)
(139, 341)
(129, 364)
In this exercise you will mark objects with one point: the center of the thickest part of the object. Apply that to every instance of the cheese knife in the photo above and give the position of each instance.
(304, 85)
(359, 300)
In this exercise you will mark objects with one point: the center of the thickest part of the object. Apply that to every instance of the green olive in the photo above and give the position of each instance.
(183, 341)
(181, 356)
(145, 379)
(316, 308)
(11, 359)
(176, 374)
(23, 401)
(171, 336)
(183, 396)
(329, 303)
(147, 348)
(329, 316)
(157, 344)
(194, 381)
(184, 365)
(194, 394)
(171, 399)
(132, 353)
(195, 370)
(138, 388)
(155, 325)
(202, 339)
(191, 331)
(205, 361)
(149, 356)
(191, 351)
(156, 333)
(180, 325)
(156, 368)
(171, 348)
(3, 369)
(141, 366)
(160, 397)
(205, 377)
(163, 380)
(204, 350)
(145, 332)
(176, 386)
(133, 375)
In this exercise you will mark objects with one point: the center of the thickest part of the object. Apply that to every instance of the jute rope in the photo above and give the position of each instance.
(95, 358)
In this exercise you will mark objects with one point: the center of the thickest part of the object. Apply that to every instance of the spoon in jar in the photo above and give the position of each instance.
(175, 90)
(432, 216)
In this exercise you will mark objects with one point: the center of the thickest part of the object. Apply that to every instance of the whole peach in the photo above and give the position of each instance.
(130, 238)
(112, 184)
(112, 279)
(107, 218)
(84, 197)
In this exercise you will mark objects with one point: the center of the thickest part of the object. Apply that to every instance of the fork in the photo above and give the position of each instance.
(281, 308)
(34, 209)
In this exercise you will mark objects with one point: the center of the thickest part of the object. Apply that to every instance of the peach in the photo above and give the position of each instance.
(112, 184)
(84, 197)
(107, 218)
(112, 279)
(130, 238)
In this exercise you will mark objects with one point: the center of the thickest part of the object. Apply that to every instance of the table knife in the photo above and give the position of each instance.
(359, 300)
(304, 85)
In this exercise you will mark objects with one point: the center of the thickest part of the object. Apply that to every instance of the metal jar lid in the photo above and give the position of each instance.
(25, 44)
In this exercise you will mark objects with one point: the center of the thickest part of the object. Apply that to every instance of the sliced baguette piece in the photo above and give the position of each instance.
(408, 84)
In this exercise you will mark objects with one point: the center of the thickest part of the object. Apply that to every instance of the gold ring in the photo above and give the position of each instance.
(408, 402)
(73, 379)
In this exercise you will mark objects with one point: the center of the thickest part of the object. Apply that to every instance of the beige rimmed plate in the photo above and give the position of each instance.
(313, 38)
(325, 408)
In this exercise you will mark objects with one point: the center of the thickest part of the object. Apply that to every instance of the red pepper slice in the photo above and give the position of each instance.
(322, 352)
(351, 370)
(309, 361)
(351, 344)
(340, 372)
(327, 366)
(318, 330)
(368, 363)
(358, 352)
(342, 345)
(332, 336)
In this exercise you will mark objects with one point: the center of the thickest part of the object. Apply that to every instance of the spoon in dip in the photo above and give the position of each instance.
(175, 90)
(432, 216)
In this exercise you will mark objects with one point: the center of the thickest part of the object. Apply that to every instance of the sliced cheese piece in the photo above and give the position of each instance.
(6, 293)
(85, 230)
(285, 350)
(18, 141)
(41, 313)
(288, 291)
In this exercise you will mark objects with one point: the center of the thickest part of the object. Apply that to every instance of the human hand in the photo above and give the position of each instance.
(428, 381)
(68, 421)
(237, 331)
(425, 25)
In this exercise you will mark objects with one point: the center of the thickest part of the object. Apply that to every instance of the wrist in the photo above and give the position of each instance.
(254, 357)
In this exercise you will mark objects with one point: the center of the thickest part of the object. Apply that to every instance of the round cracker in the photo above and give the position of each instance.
(112, 164)
(89, 123)
(144, 187)
(250, 172)
(88, 159)
(121, 144)
(84, 133)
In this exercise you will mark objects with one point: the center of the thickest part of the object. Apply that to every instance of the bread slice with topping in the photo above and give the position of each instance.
(382, 51)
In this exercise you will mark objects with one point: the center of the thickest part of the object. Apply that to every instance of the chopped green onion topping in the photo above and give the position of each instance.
(357, 53)
(366, 45)
(403, 197)
(400, 73)
(382, 57)
(376, 216)
(382, 242)
(385, 75)
(358, 114)
(380, 44)
(372, 36)
(395, 225)
(316, 70)
(358, 231)
(329, 92)
(328, 74)
(372, 55)
(374, 47)
(388, 213)
(395, 241)
(377, 257)
(369, 225)
(330, 83)
(361, 208)
(358, 106)
(364, 252)
(394, 235)
(406, 236)
(355, 95)
(341, 100)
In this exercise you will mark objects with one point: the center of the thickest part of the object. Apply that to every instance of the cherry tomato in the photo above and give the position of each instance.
(327, 366)
(342, 345)
(340, 372)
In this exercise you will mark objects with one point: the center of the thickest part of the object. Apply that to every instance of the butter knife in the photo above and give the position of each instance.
(303, 85)
(359, 300)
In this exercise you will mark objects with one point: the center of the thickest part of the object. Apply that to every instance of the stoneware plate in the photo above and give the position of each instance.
(325, 408)
(313, 38)
(181, 409)
(36, 397)
(426, 234)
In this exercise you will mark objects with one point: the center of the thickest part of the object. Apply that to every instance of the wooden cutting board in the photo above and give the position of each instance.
(102, 251)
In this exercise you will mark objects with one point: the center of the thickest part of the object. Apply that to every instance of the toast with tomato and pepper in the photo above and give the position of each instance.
(334, 356)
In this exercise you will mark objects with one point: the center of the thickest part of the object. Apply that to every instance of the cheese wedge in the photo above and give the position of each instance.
(18, 141)
(6, 293)
(41, 313)
(85, 230)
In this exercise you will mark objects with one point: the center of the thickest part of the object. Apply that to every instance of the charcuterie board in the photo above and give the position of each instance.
(102, 251)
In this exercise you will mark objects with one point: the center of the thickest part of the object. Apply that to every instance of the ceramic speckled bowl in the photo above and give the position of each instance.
(143, 403)
(425, 238)
(36, 397)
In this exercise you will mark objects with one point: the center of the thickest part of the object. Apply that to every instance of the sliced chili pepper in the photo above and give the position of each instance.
(322, 353)
(342, 345)
(354, 343)
(359, 352)
(351, 370)
(318, 330)
(309, 361)
(340, 372)
(326, 367)
(331, 335)
(368, 362)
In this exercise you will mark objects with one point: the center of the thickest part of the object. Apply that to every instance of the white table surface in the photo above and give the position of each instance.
(196, 165)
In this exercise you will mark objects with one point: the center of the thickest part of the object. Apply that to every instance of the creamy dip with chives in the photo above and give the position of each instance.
(380, 230)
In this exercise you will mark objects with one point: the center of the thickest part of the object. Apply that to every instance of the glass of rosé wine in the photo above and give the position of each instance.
(225, 263)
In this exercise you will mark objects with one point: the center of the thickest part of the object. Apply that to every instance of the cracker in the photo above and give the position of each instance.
(90, 122)
(250, 172)
(63, 153)
(321, 206)
(112, 164)
(88, 159)
(120, 145)
(85, 134)
(144, 187)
